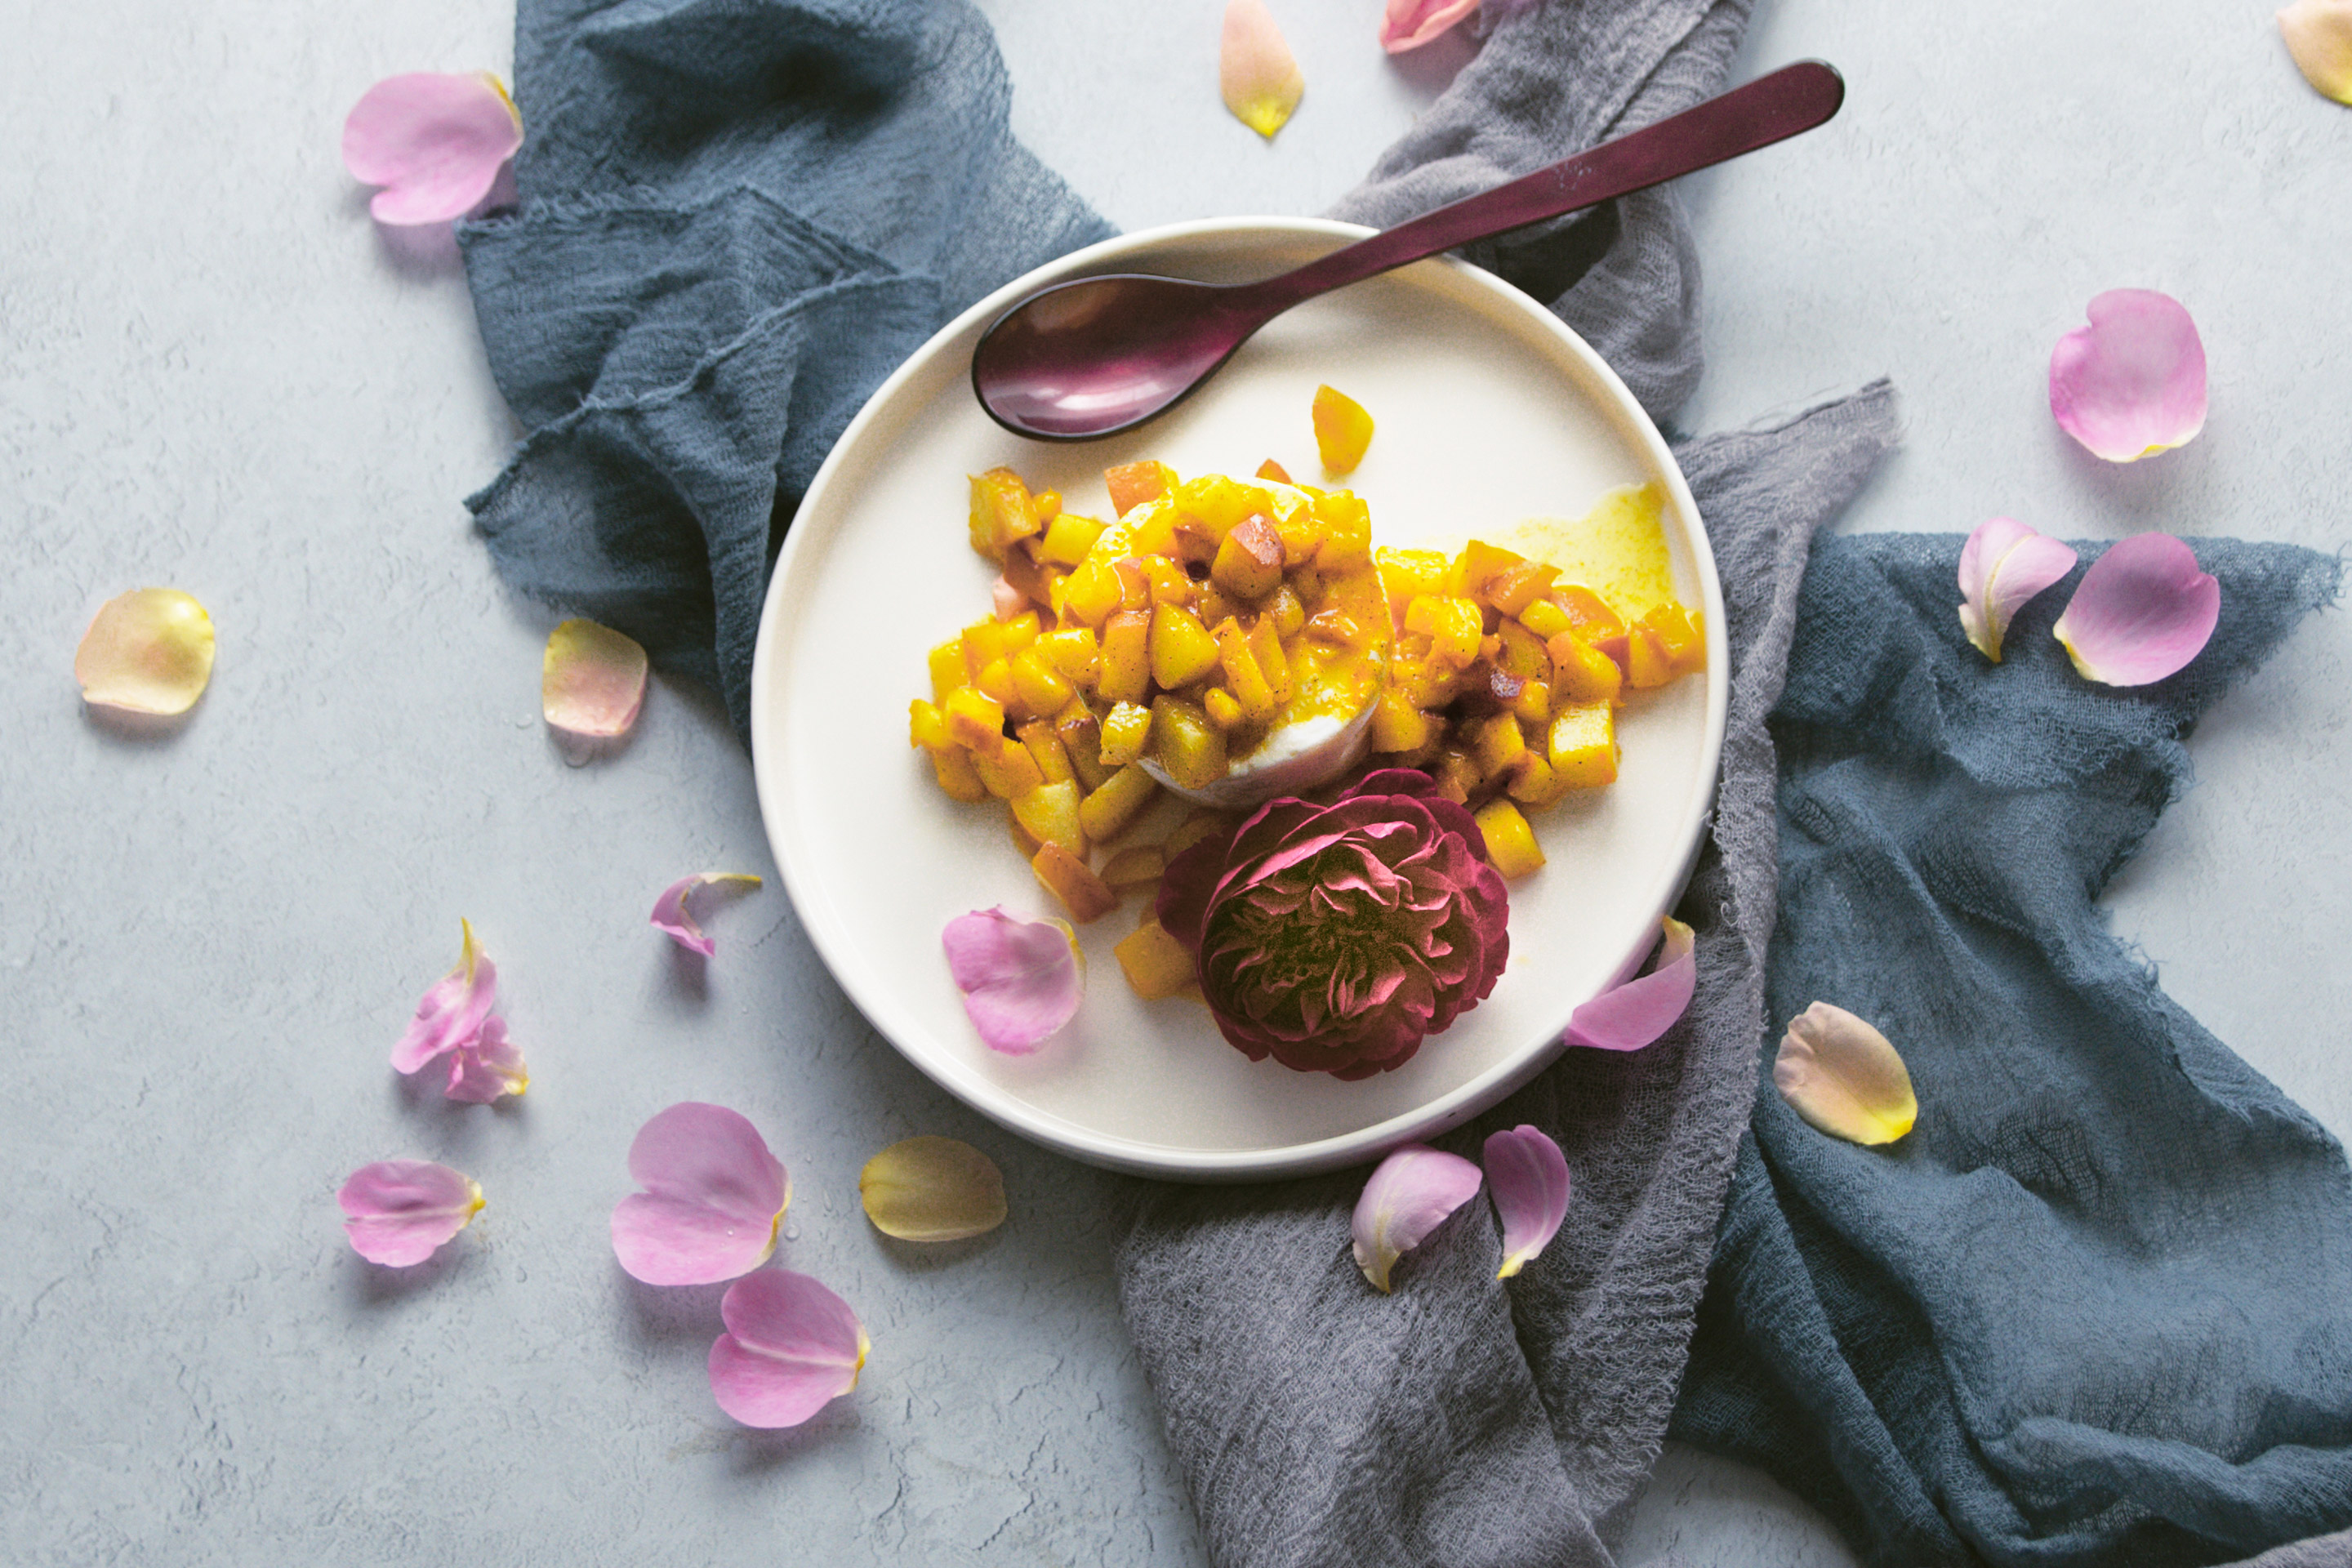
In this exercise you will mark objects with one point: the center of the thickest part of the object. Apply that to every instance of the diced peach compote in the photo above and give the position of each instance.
(1234, 639)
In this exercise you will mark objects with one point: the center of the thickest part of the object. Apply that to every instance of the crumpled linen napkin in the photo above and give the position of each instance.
(2097, 1308)
(734, 218)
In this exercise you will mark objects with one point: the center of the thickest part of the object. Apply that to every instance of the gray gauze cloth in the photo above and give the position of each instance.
(1466, 1420)
(2097, 1308)
(733, 219)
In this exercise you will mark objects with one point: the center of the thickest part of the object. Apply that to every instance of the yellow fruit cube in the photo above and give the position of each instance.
(1067, 538)
(1535, 784)
(1091, 593)
(1510, 842)
(1189, 749)
(1007, 769)
(1406, 574)
(1533, 705)
(1398, 725)
(1342, 429)
(1132, 484)
(1583, 673)
(1224, 711)
(1514, 588)
(1075, 654)
(1106, 812)
(947, 669)
(1544, 618)
(1251, 690)
(975, 719)
(927, 726)
(1002, 512)
(1181, 648)
(1042, 688)
(1248, 563)
(1452, 625)
(1286, 612)
(1065, 876)
(1497, 743)
(1137, 866)
(1046, 749)
(1154, 962)
(1127, 657)
(953, 766)
(1582, 745)
(1050, 812)
(1124, 733)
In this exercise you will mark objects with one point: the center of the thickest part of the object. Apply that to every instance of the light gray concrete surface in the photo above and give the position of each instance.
(217, 373)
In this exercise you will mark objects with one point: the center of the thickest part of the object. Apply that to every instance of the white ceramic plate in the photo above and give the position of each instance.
(1488, 412)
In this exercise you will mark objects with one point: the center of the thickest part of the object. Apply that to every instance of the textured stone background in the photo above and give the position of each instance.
(215, 373)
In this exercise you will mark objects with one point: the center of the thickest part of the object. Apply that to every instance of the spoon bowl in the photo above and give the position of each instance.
(1120, 348)
(1099, 355)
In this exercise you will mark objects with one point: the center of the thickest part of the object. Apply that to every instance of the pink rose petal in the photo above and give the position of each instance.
(791, 1348)
(1528, 1177)
(434, 142)
(1629, 1016)
(1408, 1196)
(2003, 564)
(592, 680)
(2318, 36)
(1256, 72)
(672, 914)
(399, 1212)
(1409, 23)
(2142, 611)
(486, 1067)
(452, 1012)
(147, 651)
(2132, 383)
(1021, 980)
(713, 1198)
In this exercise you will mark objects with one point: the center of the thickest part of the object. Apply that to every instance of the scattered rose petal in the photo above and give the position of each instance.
(1528, 1177)
(1021, 980)
(1409, 23)
(2318, 33)
(791, 1348)
(399, 1212)
(1409, 1196)
(1841, 1076)
(147, 651)
(486, 1067)
(434, 142)
(1256, 69)
(593, 680)
(2142, 611)
(452, 1012)
(2003, 564)
(932, 1189)
(673, 915)
(1629, 1016)
(713, 1198)
(2132, 383)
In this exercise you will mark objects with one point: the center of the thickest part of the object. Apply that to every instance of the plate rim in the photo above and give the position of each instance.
(1170, 1161)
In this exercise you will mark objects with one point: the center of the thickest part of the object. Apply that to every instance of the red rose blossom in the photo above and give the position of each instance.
(1333, 938)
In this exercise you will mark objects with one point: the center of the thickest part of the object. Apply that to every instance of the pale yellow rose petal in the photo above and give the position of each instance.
(592, 680)
(1841, 1076)
(147, 651)
(932, 1189)
(2318, 33)
(1256, 69)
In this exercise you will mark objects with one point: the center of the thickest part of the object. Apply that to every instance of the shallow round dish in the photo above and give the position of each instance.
(1488, 412)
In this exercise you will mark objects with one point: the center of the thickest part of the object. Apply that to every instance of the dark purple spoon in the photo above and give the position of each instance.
(1099, 355)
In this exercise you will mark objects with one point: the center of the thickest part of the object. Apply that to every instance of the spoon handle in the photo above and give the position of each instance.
(1770, 109)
